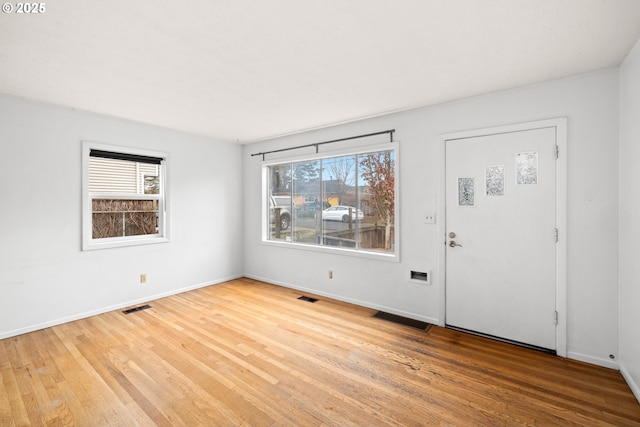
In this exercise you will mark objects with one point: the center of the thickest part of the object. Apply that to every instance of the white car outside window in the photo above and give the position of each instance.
(341, 213)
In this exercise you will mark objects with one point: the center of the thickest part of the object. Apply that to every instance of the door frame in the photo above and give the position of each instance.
(560, 124)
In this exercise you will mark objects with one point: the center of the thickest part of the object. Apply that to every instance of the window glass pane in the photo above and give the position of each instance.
(376, 185)
(151, 184)
(123, 176)
(117, 217)
(346, 201)
(280, 202)
(527, 167)
(339, 187)
(307, 202)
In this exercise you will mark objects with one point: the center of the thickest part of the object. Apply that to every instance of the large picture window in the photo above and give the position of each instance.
(346, 201)
(124, 200)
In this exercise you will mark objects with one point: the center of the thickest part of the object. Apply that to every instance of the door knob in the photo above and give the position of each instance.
(453, 244)
(452, 235)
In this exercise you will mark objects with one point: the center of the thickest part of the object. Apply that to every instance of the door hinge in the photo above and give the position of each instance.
(557, 151)
(555, 235)
(555, 318)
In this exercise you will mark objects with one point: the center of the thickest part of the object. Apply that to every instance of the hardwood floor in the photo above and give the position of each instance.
(245, 353)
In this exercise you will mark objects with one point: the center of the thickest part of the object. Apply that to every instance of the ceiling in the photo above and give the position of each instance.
(248, 70)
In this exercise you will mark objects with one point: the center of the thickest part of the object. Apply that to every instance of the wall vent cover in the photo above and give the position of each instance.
(308, 299)
(402, 320)
(133, 310)
(420, 276)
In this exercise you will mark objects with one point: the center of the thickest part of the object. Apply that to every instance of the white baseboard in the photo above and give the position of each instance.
(367, 304)
(78, 316)
(635, 387)
(607, 363)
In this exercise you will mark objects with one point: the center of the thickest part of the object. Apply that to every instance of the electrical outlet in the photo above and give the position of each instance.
(330, 274)
(143, 278)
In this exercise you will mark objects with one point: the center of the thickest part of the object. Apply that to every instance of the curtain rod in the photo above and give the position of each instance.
(317, 144)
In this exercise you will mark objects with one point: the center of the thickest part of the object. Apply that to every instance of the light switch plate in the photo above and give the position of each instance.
(429, 218)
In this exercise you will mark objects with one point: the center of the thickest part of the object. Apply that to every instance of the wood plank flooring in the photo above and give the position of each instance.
(245, 353)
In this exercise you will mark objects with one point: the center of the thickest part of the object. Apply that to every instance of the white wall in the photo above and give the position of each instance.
(216, 224)
(44, 276)
(590, 102)
(629, 224)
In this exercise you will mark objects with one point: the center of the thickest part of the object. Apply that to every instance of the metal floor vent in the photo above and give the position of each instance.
(402, 320)
(308, 299)
(133, 310)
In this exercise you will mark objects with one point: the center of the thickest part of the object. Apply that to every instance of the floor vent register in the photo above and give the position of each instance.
(417, 324)
(133, 310)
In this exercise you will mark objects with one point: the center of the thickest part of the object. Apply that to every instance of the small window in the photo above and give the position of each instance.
(124, 201)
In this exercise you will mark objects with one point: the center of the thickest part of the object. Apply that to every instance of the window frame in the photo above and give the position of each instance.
(362, 253)
(88, 242)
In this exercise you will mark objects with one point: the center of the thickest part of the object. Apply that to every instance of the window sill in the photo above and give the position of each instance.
(381, 256)
(118, 242)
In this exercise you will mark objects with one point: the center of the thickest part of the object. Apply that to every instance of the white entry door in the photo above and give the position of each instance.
(501, 235)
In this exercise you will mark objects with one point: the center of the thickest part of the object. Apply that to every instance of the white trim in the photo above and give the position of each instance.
(560, 124)
(357, 302)
(121, 242)
(107, 309)
(635, 387)
(607, 363)
(442, 231)
(88, 243)
(362, 253)
(562, 200)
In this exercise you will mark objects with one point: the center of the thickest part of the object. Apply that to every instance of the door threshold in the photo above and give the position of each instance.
(504, 340)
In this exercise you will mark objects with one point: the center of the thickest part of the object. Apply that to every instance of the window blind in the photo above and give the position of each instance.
(125, 156)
